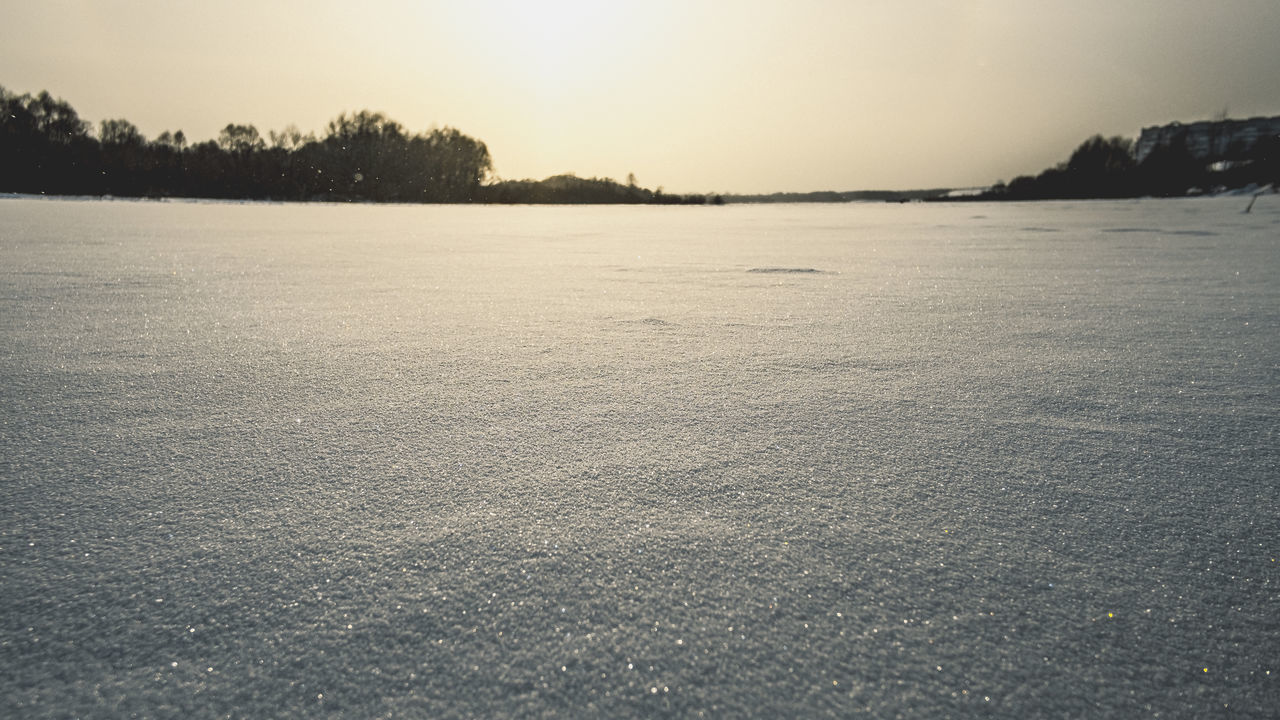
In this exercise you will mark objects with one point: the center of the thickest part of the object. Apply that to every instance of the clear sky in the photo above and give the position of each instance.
(692, 95)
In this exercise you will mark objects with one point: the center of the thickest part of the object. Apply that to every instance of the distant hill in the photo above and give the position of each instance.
(571, 189)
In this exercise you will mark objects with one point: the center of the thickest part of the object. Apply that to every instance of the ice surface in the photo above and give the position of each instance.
(778, 461)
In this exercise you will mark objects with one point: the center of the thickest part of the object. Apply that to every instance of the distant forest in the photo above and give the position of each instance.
(1108, 168)
(45, 148)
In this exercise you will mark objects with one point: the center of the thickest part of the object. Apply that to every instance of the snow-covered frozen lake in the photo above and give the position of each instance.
(961, 460)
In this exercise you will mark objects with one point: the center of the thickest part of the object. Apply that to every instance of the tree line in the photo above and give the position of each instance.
(1108, 168)
(46, 148)
(571, 189)
(834, 196)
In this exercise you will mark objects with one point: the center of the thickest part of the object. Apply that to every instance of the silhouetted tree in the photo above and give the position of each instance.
(124, 158)
(289, 139)
(175, 141)
(1170, 169)
(455, 165)
(359, 155)
(44, 145)
(1266, 154)
(56, 120)
(240, 139)
(21, 142)
(120, 132)
(1101, 156)
(1099, 168)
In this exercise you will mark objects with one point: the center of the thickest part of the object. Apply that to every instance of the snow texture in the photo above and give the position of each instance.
(961, 460)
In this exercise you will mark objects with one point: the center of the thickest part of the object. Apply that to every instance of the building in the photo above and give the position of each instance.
(1210, 140)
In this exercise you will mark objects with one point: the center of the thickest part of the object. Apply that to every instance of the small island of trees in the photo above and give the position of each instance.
(46, 148)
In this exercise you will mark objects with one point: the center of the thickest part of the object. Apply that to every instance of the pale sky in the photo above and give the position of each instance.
(691, 95)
